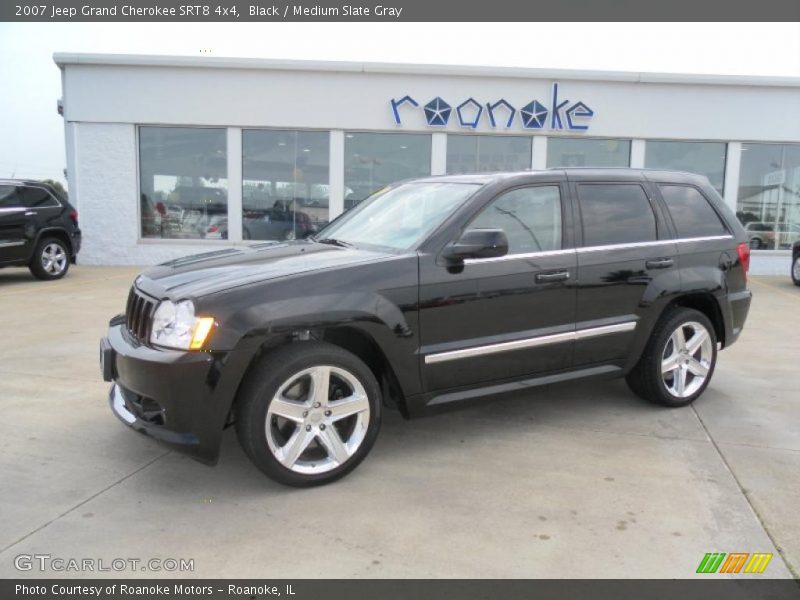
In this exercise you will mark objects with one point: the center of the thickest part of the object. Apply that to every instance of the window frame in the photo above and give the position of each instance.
(628, 140)
(296, 130)
(346, 132)
(464, 135)
(140, 239)
(725, 158)
(658, 218)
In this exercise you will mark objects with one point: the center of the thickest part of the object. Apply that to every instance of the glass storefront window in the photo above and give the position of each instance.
(484, 153)
(703, 158)
(183, 182)
(768, 203)
(587, 152)
(374, 160)
(284, 183)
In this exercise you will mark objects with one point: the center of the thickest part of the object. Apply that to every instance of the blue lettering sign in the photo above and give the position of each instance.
(533, 115)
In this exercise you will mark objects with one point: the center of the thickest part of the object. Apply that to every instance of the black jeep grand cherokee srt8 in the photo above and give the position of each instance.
(38, 228)
(429, 294)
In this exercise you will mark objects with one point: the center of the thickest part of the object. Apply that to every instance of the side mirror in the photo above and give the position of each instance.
(478, 243)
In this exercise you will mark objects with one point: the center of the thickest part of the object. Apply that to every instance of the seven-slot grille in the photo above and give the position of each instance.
(139, 314)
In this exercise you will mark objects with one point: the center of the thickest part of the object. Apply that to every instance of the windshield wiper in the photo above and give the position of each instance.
(334, 242)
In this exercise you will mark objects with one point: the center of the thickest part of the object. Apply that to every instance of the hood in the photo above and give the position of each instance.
(202, 274)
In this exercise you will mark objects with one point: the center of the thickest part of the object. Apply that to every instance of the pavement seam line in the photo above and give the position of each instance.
(66, 284)
(745, 495)
(775, 288)
(68, 378)
(82, 502)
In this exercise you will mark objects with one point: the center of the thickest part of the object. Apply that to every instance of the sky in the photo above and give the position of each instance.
(32, 132)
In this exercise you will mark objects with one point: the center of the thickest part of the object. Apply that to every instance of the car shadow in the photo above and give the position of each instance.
(588, 406)
(14, 275)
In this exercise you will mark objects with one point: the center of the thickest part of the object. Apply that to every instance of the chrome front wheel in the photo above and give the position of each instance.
(308, 413)
(317, 420)
(686, 359)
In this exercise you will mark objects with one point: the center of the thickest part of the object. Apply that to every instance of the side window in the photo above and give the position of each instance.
(530, 217)
(35, 197)
(615, 213)
(8, 196)
(692, 214)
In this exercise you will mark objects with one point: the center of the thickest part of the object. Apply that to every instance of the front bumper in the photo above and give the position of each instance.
(179, 398)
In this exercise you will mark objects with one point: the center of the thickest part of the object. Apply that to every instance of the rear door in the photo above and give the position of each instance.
(625, 255)
(14, 245)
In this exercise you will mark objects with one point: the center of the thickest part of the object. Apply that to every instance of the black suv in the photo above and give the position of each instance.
(38, 228)
(428, 295)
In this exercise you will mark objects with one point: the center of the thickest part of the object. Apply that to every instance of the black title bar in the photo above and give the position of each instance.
(400, 10)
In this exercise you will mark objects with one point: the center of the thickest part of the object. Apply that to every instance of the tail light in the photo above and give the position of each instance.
(213, 229)
(74, 216)
(744, 257)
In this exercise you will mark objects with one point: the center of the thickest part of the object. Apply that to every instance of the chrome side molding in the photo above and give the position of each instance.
(532, 342)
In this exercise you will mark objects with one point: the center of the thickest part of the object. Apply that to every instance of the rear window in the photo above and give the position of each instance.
(692, 214)
(36, 197)
(615, 213)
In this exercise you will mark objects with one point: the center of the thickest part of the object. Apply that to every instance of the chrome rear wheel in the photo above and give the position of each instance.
(54, 259)
(678, 360)
(686, 359)
(796, 270)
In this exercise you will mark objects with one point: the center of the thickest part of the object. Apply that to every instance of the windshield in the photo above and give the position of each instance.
(399, 217)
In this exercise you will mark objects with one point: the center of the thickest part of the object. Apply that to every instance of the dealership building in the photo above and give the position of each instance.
(168, 156)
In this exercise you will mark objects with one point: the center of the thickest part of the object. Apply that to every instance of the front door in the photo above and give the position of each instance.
(507, 317)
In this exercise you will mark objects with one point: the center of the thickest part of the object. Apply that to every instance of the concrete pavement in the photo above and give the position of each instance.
(576, 480)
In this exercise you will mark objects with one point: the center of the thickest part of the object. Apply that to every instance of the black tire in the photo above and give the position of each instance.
(50, 270)
(756, 243)
(796, 270)
(646, 379)
(265, 380)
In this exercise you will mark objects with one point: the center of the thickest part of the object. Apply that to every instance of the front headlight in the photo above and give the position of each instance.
(176, 326)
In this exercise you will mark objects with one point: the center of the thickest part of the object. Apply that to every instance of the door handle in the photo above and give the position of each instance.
(551, 277)
(659, 263)
(28, 213)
